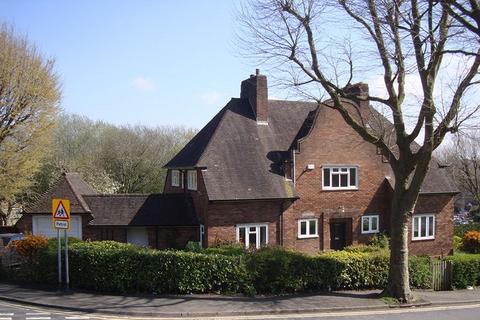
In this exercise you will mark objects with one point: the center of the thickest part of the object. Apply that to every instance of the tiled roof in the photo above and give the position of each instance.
(69, 186)
(243, 159)
(142, 210)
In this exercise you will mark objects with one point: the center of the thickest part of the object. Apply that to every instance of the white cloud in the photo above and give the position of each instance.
(211, 98)
(144, 84)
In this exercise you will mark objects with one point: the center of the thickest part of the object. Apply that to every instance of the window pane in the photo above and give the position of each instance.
(334, 169)
(335, 180)
(423, 227)
(263, 236)
(430, 226)
(353, 177)
(344, 169)
(241, 237)
(303, 228)
(344, 180)
(313, 227)
(374, 224)
(252, 239)
(365, 226)
(326, 177)
(415, 227)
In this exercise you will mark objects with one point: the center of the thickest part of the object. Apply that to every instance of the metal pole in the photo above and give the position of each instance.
(67, 276)
(59, 257)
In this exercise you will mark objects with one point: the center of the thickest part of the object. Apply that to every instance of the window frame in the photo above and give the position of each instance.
(340, 167)
(307, 235)
(427, 226)
(179, 177)
(192, 178)
(370, 229)
(247, 226)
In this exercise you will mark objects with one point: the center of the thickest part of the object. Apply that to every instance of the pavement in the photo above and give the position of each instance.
(218, 305)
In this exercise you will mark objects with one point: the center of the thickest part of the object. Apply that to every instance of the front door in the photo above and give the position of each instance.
(337, 235)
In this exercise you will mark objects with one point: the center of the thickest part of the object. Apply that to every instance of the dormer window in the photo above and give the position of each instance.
(287, 170)
(177, 178)
(340, 178)
(192, 179)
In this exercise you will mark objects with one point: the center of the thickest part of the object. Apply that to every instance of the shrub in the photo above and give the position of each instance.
(30, 247)
(457, 244)
(227, 250)
(193, 246)
(461, 229)
(471, 241)
(110, 266)
(466, 269)
(420, 272)
(380, 240)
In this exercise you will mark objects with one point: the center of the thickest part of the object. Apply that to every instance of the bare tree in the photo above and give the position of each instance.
(463, 158)
(29, 99)
(398, 41)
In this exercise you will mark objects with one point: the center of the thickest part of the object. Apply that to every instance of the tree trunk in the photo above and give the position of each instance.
(403, 204)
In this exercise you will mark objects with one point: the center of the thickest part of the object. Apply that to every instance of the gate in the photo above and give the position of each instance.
(442, 275)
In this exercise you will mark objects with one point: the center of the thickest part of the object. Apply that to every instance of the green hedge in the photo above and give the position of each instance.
(116, 267)
(461, 229)
(466, 270)
(109, 266)
(275, 270)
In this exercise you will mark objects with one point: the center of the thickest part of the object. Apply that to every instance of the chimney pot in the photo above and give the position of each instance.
(257, 72)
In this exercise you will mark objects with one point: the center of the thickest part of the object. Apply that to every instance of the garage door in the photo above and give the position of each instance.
(43, 225)
(137, 236)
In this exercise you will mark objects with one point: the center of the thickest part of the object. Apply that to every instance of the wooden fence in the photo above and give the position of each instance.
(442, 275)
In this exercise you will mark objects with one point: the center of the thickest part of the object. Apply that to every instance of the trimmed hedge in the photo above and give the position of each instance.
(466, 269)
(275, 270)
(116, 267)
(110, 266)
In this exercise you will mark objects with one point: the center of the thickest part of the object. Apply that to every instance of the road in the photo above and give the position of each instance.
(15, 311)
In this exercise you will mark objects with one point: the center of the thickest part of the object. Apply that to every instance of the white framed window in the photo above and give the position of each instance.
(423, 227)
(370, 224)
(340, 178)
(177, 178)
(253, 235)
(192, 179)
(308, 228)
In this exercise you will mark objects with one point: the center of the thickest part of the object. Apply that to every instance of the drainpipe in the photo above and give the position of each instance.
(293, 174)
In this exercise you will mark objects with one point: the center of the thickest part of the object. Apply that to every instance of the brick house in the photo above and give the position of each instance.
(263, 172)
(294, 174)
(155, 220)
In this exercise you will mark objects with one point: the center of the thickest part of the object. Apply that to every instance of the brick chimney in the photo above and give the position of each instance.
(256, 91)
(354, 91)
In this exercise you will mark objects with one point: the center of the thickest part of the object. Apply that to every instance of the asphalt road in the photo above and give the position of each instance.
(15, 311)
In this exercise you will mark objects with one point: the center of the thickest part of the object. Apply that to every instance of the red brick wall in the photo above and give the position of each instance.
(442, 207)
(332, 142)
(199, 196)
(224, 216)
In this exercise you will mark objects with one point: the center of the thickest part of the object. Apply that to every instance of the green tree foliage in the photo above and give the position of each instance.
(112, 159)
(29, 102)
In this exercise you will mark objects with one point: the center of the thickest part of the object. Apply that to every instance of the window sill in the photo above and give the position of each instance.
(308, 237)
(339, 189)
(370, 232)
(423, 239)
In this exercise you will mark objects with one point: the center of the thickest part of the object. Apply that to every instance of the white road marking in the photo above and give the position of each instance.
(37, 314)
(38, 318)
(6, 314)
(77, 317)
(6, 318)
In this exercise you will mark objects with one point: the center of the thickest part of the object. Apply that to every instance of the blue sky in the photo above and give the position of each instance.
(147, 62)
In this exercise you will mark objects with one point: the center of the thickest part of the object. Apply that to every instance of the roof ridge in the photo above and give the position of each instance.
(76, 194)
(222, 116)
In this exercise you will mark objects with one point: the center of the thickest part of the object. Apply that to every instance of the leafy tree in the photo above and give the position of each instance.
(414, 49)
(29, 101)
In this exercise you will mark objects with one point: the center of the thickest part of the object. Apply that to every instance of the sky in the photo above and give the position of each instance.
(137, 62)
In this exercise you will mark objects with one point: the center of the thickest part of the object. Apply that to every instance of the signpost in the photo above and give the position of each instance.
(61, 220)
